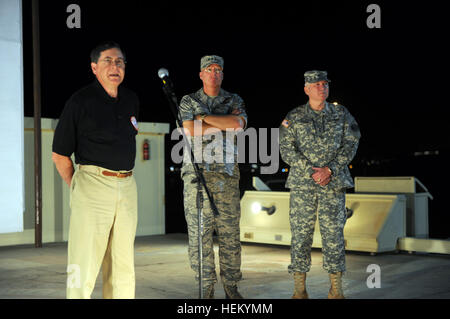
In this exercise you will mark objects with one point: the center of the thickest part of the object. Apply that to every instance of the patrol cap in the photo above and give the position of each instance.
(207, 60)
(316, 76)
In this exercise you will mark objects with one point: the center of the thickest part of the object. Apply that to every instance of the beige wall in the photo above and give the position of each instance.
(55, 194)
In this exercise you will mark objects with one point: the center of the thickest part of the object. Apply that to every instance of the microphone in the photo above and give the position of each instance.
(169, 91)
(164, 76)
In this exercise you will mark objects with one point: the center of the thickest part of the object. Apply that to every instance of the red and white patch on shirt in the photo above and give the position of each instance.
(134, 122)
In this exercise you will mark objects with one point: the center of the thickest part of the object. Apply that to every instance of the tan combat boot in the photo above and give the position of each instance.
(336, 286)
(231, 292)
(208, 292)
(300, 286)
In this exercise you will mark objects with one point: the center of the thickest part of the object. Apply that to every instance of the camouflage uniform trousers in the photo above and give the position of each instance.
(225, 192)
(330, 208)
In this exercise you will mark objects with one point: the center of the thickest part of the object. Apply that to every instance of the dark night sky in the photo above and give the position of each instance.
(391, 79)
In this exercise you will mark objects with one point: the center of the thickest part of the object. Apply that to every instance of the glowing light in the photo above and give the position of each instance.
(256, 208)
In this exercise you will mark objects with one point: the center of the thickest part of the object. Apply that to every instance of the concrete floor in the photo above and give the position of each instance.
(163, 272)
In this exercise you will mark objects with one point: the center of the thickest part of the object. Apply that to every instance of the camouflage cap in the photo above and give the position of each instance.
(207, 60)
(316, 76)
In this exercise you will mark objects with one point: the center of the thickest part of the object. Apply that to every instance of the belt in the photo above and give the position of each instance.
(118, 174)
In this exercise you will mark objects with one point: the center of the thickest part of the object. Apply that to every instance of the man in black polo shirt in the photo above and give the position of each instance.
(99, 125)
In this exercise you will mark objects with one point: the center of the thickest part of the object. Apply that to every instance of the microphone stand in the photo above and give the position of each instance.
(200, 180)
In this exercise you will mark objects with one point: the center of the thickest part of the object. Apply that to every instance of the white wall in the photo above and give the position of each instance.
(11, 117)
(150, 180)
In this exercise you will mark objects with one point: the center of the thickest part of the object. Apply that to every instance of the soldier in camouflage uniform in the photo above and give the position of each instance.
(318, 140)
(214, 112)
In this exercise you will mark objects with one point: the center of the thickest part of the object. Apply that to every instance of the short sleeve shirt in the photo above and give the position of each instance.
(99, 129)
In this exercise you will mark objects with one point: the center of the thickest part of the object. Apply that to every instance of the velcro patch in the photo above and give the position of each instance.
(285, 123)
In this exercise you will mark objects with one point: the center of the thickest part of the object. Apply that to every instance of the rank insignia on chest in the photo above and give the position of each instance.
(285, 123)
(134, 122)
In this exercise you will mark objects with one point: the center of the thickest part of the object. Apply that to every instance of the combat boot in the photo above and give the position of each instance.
(300, 286)
(231, 292)
(336, 286)
(208, 292)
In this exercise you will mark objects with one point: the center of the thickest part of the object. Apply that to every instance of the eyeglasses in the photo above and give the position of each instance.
(318, 85)
(120, 63)
(216, 71)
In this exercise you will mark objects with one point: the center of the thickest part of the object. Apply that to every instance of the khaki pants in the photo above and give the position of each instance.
(102, 229)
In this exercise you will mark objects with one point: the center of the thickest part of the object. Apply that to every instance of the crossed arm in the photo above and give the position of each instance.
(214, 123)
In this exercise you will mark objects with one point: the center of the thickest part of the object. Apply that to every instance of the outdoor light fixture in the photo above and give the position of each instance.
(349, 210)
(257, 208)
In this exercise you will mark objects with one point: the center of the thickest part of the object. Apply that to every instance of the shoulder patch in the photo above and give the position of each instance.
(285, 123)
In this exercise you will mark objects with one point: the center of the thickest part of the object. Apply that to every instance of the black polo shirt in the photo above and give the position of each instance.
(99, 128)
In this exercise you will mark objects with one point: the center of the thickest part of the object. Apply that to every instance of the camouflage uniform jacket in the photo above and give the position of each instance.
(199, 103)
(310, 139)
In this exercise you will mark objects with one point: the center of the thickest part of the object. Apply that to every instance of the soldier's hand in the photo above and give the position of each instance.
(325, 182)
(321, 175)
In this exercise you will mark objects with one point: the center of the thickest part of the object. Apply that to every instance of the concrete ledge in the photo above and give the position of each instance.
(426, 245)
